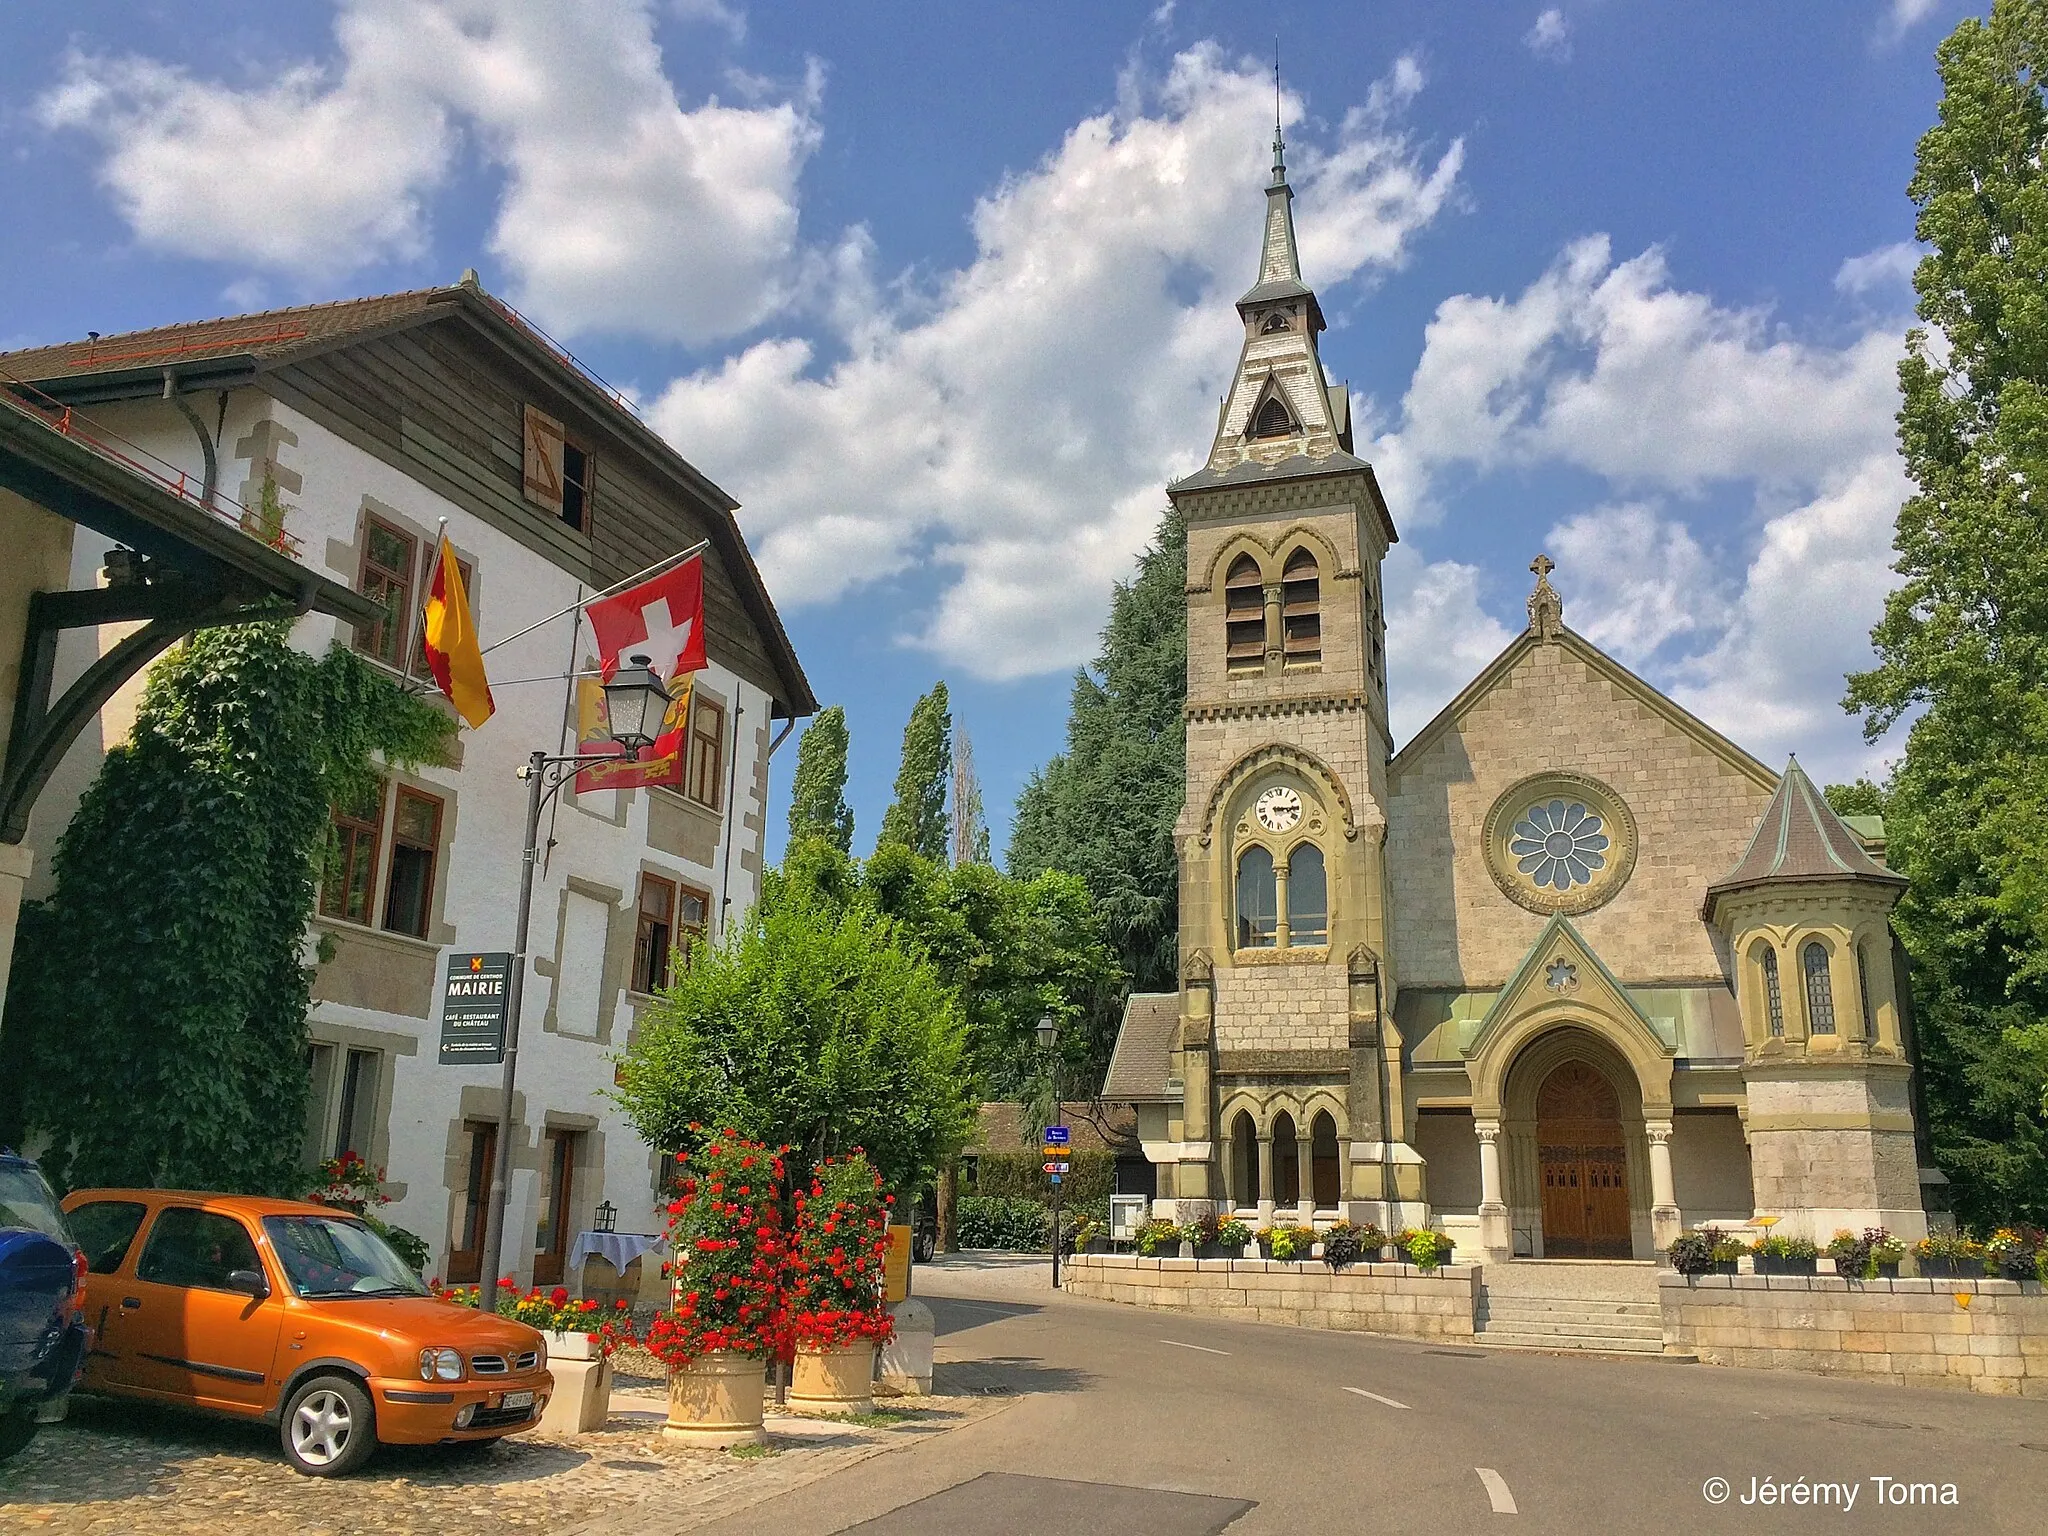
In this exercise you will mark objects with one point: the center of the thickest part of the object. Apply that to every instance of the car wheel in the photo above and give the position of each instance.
(923, 1245)
(16, 1430)
(329, 1427)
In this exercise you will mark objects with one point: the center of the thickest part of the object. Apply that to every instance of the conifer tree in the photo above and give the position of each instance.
(1963, 645)
(1104, 809)
(817, 806)
(917, 819)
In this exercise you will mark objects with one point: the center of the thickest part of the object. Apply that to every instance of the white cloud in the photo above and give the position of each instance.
(1550, 37)
(1013, 423)
(1634, 579)
(1609, 368)
(1901, 16)
(1439, 637)
(621, 210)
(1874, 271)
(715, 12)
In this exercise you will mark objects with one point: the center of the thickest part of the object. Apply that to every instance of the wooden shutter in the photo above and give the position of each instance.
(544, 461)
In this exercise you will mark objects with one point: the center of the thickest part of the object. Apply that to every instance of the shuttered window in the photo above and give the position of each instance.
(1301, 609)
(1244, 616)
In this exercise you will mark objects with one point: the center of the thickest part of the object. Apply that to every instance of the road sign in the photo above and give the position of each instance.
(473, 1009)
(1056, 1168)
(1057, 1135)
(1055, 1178)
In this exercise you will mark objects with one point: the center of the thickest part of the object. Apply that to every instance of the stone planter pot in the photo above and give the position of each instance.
(571, 1346)
(1723, 1267)
(1766, 1265)
(715, 1400)
(1952, 1269)
(1096, 1245)
(834, 1380)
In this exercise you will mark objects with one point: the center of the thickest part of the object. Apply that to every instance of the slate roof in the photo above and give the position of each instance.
(1800, 838)
(1251, 472)
(1138, 1067)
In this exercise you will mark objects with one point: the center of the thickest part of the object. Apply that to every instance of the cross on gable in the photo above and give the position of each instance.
(1543, 565)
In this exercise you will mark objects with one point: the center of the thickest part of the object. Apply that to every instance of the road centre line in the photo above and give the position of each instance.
(1376, 1397)
(1497, 1491)
(1205, 1349)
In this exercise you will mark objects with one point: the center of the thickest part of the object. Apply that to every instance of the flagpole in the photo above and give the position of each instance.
(618, 586)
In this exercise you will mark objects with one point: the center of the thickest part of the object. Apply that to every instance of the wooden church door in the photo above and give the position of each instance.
(1579, 1150)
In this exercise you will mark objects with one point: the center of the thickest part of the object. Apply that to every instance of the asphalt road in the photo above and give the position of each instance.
(1143, 1423)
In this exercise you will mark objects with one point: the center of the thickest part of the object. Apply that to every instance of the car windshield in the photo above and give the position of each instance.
(328, 1256)
(26, 1201)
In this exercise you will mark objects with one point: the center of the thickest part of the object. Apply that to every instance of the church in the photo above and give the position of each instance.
(1569, 973)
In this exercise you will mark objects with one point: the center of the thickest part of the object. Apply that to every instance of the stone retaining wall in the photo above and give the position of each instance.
(1978, 1335)
(1370, 1298)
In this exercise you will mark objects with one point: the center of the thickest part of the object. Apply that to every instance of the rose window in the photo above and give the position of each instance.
(1559, 844)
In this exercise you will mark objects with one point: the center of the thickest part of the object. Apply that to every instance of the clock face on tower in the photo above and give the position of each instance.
(1278, 809)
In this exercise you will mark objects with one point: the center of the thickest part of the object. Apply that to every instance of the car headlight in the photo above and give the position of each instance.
(441, 1364)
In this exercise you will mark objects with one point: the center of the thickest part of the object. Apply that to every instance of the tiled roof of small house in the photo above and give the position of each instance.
(1139, 1066)
(1800, 837)
(1004, 1127)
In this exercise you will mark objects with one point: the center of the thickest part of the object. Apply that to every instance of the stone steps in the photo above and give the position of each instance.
(1581, 1309)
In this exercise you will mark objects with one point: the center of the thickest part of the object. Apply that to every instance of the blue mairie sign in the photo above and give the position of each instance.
(473, 1009)
(1057, 1135)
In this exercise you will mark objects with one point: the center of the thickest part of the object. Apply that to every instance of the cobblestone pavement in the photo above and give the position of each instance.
(118, 1467)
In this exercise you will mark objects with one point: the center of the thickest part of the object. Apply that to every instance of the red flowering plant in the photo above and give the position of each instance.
(835, 1267)
(726, 1225)
(552, 1311)
(348, 1183)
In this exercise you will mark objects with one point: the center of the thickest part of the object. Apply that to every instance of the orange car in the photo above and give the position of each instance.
(297, 1315)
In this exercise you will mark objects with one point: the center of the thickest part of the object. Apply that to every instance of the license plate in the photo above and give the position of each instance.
(517, 1400)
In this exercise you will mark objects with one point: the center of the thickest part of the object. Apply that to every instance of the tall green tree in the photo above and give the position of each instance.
(156, 1015)
(1963, 645)
(811, 1024)
(817, 806)
(917, 819)
(1104, 809)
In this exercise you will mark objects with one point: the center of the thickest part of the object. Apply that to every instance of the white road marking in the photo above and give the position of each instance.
(1376, 1397)
(1497, 1491)
(1205, 1349)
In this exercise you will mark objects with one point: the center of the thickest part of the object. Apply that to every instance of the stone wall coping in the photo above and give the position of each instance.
(1908, 1285)
(1314, 1272)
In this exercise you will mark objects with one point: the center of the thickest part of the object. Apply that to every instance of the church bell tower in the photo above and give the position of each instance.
(1287, 1062)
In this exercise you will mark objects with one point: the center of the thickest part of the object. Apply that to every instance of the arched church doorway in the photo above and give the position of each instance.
(1326, 1179)
(1584, 1166)
(1244, 1161)
(1287, 1168)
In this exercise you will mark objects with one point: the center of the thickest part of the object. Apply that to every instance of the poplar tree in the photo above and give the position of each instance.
(1104, 809)
(1963, 645)
(817, 806)
(917, 818)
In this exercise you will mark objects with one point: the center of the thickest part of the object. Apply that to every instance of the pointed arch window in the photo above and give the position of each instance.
(1258, 907)
(1244, 615)
(1277, 321)
(1774, 997)
(1273, 419)
(1820, 997)
(1301, 608)
(1308, 896)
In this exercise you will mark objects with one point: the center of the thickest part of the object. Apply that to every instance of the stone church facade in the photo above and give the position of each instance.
(1568, 973)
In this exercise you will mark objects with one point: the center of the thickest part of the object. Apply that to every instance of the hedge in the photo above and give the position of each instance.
(999, 1221)
(1022, 1176)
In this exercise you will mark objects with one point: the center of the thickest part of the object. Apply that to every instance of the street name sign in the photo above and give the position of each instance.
(473, 1002)
(1057, 1135)
(1056, 1168)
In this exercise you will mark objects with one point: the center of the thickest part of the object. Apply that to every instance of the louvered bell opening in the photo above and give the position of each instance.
(1244, 616)
(1301, 608)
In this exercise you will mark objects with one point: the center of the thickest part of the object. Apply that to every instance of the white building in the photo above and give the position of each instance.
(375, 419)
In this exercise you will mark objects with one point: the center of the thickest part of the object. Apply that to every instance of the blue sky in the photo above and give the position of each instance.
(943, 296)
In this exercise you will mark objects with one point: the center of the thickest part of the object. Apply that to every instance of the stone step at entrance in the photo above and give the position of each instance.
(1548, 1304)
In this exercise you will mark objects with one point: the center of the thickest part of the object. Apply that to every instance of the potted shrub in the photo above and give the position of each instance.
(1294, 1244)
(1426, 1250)
(1786, 1256)
(1158, 1237)
(1949, 1255)
(725, 1314)
(2009, 1254)
(1347, 1244)
(1232, 1238)
(1728, 1252)
(1200, 1234)
(837, 1314)
(1848, 1251)
(1091, 1236)
(1885, 1253)
(1264, 1238)
(1692, 1253)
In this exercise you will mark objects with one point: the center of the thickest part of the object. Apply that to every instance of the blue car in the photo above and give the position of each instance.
(42, 1285)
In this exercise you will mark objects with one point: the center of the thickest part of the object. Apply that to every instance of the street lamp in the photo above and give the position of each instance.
(1048, 1041)
(636, 703)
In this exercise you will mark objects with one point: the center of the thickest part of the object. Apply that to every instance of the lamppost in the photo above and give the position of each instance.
(636, 702)
(1048, 1041)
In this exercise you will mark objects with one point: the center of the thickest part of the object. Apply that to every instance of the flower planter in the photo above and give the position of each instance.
(1768, 1265)
(1951, 1269)
(834, 1380)
(571, 1346)
(715, 1400)
(1096, 1245)
(1723, 1267)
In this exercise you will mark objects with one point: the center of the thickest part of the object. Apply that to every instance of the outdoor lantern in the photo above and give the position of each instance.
(1048, 1032)
(607, 1217)
(635, 702)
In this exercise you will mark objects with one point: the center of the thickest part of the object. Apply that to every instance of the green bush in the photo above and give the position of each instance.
(1022, 1176)
(1158, 1238)
(995, 1221)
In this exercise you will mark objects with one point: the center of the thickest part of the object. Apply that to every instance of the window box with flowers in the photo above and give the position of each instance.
(837, 1312)
(726, 1313)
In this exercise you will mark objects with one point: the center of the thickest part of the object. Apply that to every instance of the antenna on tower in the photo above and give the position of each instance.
(1276, 85)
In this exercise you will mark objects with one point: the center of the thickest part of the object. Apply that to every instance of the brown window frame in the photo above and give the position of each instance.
(653, 936)
(370, 638)
(707, 788)
(419, 645)
(581, 494)
(395, 840)
(345, 849)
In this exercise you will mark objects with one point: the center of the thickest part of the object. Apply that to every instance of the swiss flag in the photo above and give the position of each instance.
(661, 619)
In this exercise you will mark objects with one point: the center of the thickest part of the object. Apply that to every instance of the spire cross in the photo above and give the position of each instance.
(1543, 565)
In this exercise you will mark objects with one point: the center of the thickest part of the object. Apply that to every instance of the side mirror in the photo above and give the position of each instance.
(249, 1282)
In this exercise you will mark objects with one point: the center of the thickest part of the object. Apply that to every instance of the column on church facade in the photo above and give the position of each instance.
(1664, 1221)
(1495, 1236)
(1305, 1174)
(1266, 1205)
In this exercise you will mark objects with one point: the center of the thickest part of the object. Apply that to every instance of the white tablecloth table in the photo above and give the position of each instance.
(617, 1249)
